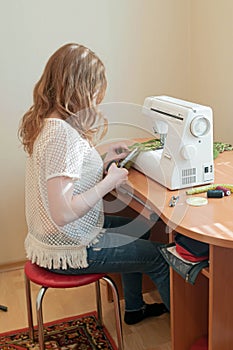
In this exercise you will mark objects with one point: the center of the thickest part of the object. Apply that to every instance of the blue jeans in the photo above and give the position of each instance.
(124, 248)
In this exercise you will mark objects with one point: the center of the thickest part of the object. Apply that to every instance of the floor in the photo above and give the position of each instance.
(151, 334)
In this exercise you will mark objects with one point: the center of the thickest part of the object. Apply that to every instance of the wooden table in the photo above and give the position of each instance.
(206, 307)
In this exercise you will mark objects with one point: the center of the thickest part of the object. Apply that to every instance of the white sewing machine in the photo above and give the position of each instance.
(186, 132)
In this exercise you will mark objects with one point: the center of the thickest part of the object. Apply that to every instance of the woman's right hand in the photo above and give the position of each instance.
(116, 176)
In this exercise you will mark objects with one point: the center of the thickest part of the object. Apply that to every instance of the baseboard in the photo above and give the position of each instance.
(12, 266)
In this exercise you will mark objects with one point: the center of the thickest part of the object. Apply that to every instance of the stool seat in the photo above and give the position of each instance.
(48, 279)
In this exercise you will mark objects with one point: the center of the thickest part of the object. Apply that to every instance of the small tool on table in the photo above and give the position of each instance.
(173, 201)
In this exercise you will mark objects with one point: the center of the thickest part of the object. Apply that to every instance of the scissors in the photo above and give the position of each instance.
(123, 162)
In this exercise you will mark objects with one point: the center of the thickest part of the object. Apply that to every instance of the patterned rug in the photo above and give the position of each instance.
(76, 333)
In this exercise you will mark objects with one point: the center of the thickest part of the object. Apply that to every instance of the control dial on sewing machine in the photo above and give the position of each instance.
(188, 151)
(200, 126)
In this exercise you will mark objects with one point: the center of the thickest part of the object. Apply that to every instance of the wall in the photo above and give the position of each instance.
(181, 48)
(211, 61)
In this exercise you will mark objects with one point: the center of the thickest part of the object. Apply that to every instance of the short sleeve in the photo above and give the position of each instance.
(64, 152)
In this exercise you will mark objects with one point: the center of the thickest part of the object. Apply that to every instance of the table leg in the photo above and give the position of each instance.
(221, 299)
(189, 310)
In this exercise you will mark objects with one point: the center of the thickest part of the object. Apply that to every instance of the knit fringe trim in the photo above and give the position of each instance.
(56, 257)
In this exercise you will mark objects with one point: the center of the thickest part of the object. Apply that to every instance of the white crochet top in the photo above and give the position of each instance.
(61, 151)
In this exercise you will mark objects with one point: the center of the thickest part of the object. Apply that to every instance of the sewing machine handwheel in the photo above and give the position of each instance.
(200, 126)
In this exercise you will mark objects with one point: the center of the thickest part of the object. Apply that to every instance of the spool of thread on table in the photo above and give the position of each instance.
(225, 190)
(3, 308)
(215, 194)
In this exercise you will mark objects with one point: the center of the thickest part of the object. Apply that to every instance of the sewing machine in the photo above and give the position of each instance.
(185, 130)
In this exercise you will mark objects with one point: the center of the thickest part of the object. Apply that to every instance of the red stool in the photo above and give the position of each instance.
(47, 279)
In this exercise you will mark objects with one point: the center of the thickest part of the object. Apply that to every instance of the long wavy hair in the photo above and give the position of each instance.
(72, 85)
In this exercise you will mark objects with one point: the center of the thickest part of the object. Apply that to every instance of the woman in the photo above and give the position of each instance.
(67, 229)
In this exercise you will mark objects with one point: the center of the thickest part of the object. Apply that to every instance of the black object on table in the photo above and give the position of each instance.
(3, 308)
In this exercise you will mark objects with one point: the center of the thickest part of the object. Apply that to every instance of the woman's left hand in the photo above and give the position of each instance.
(116, 153)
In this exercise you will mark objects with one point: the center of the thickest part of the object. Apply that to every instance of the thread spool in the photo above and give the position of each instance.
(225, 190)
(3, 308)
(215, 194)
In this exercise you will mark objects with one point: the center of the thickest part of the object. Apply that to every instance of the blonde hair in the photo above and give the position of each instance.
(73, 84)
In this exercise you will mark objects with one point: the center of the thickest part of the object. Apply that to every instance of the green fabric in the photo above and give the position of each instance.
(220, 147)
